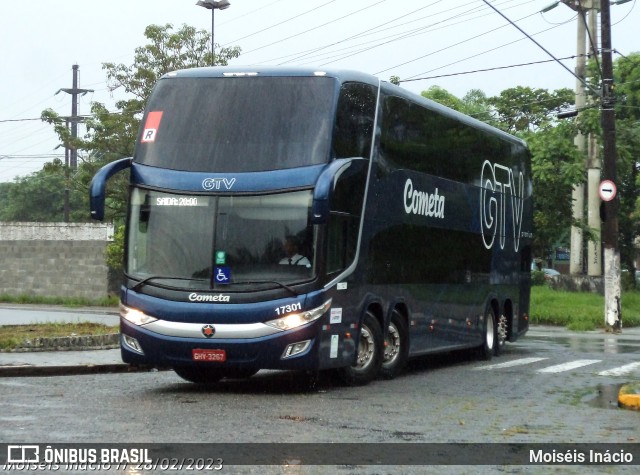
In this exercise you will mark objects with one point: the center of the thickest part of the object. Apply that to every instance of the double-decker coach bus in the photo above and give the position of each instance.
(313, 220)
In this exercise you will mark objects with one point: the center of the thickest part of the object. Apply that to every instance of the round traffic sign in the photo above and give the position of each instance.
(607, 190)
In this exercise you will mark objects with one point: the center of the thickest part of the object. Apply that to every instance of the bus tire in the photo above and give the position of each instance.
(369, 354)
(501, 334)
(396, 347)
(199, 374)
(488, 334)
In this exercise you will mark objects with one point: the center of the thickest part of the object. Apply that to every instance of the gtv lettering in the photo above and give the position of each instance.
(423, 203)
(218, 183)
(499, 190)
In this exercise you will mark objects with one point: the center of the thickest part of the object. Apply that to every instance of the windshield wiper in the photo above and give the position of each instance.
(139, 285)
(284, 286)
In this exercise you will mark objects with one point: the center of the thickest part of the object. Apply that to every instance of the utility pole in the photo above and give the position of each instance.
(71, 153)
(609, 209)
(74, 119)
(577, 195)
(594, 246)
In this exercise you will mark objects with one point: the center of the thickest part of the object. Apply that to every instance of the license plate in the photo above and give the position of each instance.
(209, 355)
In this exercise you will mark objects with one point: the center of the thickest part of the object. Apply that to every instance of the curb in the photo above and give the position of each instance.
(629, 396)
(68, 370)
(76, 342)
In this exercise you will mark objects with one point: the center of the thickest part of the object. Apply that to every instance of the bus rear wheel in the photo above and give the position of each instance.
(200, 374)
(369, 354)
(396, 347)
(488, 334)
(501, 334)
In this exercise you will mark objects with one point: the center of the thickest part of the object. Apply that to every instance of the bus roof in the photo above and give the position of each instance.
(273, 71)
(342, 75)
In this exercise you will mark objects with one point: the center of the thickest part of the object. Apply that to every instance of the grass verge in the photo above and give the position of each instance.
(579, 311)
(110, 301)
(15, 336)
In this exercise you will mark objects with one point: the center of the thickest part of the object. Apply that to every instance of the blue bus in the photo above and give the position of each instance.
(300, 219)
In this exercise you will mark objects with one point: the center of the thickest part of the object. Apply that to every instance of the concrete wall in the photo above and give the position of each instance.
(54, 259)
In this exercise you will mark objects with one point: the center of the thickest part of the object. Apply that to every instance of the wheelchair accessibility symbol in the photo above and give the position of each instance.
(222, 275)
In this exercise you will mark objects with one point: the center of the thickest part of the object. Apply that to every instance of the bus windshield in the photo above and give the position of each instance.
(238, 124)
(198, 242)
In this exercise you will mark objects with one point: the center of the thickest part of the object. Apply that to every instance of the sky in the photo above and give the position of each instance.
(425, 42)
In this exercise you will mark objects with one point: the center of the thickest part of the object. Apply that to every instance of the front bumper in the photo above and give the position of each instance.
(254, 345)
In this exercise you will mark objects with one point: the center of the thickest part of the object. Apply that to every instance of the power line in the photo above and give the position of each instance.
(450, 46)
(475, 55)
(316, 27)
(586, 84)
(418, 31)
(488, 69)
(79, 116)
(365, 32)
(280, 23)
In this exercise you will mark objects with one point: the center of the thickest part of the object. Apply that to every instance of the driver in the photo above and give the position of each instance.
(293, 258)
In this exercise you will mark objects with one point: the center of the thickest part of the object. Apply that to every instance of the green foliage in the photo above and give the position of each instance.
(115, 250)
(537, 278)
(627, 77)
(627, 92)
(444, 97)
(166, 51)
(477, 106)
(521, 109)
(556, 167)
(40, 197)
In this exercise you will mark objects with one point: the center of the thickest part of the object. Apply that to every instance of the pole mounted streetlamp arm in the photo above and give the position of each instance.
(213, 5)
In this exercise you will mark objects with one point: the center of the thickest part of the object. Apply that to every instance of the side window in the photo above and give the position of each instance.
(420, 139)
(347, 198)
(342, 242)
(353, 129)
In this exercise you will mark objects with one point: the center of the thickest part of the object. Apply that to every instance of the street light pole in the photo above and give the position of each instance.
(213, 5)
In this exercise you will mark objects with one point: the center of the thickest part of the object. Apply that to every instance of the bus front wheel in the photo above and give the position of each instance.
(369, 354)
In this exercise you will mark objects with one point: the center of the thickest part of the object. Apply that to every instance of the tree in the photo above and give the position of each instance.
(39, 197)
(444, 97)
(556, 166)
(112, 135)
(627, 80)
(627, 91)
(167, 51)
(521, 109)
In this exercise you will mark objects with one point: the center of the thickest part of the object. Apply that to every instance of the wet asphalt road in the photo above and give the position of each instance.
(550, 387)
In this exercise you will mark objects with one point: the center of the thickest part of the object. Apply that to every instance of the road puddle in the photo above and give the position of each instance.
(606, 397)
(606, 345)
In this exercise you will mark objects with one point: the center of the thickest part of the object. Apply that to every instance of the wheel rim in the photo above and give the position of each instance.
(489, 332)
(366, 348)
(391, 345)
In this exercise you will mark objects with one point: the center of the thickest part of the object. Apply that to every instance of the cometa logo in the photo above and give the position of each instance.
(194, 297)
(421, 202)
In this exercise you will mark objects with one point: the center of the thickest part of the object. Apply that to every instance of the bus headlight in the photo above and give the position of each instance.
(295, 320)
(135, 316)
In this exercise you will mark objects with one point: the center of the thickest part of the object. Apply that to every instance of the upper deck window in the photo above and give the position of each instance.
(238, 124)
